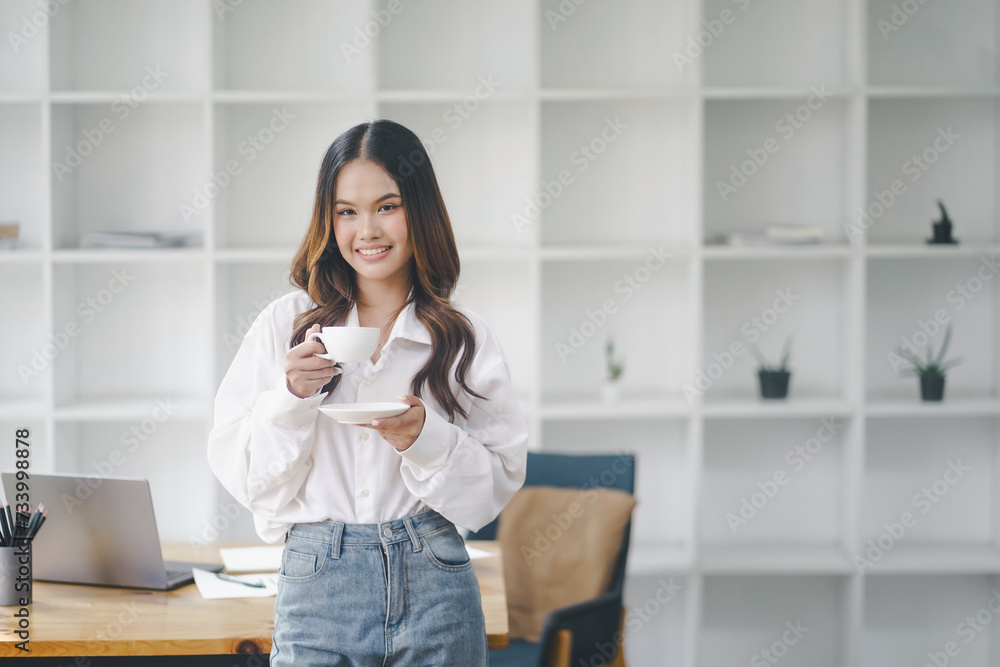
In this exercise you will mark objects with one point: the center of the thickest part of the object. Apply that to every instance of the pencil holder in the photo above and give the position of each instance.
(15, 575)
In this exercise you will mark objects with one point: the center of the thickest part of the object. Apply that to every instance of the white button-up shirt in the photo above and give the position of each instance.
(287, 462)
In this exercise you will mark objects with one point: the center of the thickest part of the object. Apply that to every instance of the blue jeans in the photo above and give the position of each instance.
(396, 593)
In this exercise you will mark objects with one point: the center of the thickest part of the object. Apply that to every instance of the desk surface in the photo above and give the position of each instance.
(68, 620)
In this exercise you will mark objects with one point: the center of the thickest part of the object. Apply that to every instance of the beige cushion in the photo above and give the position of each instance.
(559, 548)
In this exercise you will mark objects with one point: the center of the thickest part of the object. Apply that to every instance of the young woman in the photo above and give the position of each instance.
(374, 571)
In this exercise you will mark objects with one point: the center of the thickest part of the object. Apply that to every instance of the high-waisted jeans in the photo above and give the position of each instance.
(396, 593)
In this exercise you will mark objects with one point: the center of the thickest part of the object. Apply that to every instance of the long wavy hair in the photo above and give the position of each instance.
(321, 270)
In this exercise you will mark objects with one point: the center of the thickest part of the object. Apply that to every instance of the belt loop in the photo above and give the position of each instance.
(336, 539)
(412, 532)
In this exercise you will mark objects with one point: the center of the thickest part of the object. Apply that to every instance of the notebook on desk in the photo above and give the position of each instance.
(101, 531)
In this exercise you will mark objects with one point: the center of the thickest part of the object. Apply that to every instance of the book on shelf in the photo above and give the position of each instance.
(133, 240)
(772, 235)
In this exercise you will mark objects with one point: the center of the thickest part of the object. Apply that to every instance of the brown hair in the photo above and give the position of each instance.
(320, 269)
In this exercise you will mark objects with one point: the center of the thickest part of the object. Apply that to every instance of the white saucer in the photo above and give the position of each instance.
(362, 413)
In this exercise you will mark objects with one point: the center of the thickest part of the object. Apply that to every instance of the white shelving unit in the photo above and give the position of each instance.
(581, 164)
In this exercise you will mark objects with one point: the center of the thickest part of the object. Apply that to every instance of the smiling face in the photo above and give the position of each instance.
(369, 223)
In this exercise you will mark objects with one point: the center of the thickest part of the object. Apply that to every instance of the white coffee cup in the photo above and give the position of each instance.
(347, 344)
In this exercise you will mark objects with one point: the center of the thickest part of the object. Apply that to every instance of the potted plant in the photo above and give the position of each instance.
(611, 390)
(942, 228)
(773, 378)
(932, 370)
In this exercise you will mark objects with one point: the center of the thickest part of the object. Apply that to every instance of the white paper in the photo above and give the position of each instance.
(252, 559)
(477, 553)
(213, 588)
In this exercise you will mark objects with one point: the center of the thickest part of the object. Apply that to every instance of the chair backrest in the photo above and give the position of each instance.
(572, 471)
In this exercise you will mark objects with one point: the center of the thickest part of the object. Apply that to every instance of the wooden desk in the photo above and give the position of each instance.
(68, 620)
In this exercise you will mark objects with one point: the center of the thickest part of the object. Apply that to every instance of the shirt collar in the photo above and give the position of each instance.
(406, 325)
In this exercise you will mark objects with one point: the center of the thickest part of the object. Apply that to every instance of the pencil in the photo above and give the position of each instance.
(39, 524)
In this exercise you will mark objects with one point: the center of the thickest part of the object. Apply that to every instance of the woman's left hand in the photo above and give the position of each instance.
(400, 431)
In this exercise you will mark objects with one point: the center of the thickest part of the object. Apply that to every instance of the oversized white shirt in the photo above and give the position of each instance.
(287, 462)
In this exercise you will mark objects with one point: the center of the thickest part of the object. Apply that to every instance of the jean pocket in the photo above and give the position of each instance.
(446, 549)
(304, 561)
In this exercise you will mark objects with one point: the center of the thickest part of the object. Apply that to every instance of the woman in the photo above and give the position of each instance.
(374, 571)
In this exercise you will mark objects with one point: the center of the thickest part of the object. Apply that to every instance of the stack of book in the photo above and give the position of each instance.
(771, 236)
(133, 240)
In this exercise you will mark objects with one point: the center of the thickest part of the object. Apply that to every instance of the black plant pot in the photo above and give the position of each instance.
(774, 384)
(932, 388)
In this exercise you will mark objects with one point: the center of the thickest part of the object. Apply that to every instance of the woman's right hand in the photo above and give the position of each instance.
(305, 373)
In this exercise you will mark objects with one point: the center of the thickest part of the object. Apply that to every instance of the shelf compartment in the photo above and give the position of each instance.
(28, 348)
(90, 50)
(615, 172)
(329, 50)
(742, 616)
(718, 407)
(657, 618)
(22, 174)
(119, 407)
(242, 292)
(495, 291)
(774, 482)
(773, 558)
(122, 169)
(597, 45)
(129, 332)
(484, 177)
(927, 482)
(583, 304)
(921, 150)
(909, 617)
(133, 448)
(908, 302)
(744, 302)
(270, 155)
(776, 162)
(23, 62)
(458, 53)
(923, 44)
(657, 558)
(662, 472)
(558, 407)
(937, 558)
(753, 48)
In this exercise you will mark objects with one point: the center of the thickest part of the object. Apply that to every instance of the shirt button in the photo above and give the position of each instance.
(368, 382)
(365, 493)
(387, 531)
(364, 436)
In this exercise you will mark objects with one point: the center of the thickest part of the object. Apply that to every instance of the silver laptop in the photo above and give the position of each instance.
(99, 530)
